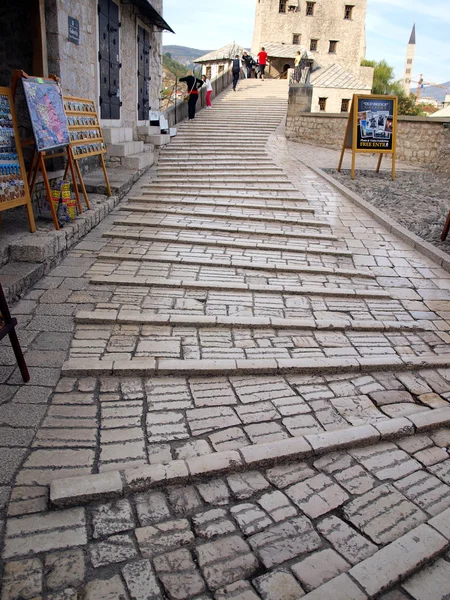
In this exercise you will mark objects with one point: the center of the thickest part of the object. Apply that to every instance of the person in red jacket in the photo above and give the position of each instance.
(262, 60)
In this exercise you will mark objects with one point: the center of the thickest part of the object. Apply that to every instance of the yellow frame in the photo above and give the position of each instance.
(353, 123)
(26, 199)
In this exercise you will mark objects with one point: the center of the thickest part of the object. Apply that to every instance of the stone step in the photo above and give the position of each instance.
(242, 243)
(295, 290)
(147, 367)
(158, 140)
(237, 263)
(117, 135)
(277, 187)
(223, 193)
(235, 228)
(141, 221)
(141, 160)
(208, 173)
(125, 149)
(231, 203)
(126, 316)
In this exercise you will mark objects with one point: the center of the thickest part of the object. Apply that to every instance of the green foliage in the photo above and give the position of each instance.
(385, 84)
(177, 69)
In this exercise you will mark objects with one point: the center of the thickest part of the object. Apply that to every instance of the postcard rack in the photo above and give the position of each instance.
(86, 137)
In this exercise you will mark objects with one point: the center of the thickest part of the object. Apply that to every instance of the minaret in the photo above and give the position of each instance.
(409, 61)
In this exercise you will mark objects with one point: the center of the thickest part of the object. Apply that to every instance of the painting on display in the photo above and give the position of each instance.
(47, 115)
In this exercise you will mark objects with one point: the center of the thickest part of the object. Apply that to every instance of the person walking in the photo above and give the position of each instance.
(262, 60)
(209, 91)
(236, 70)
(297, 73)
(248, 64)
(193, 85)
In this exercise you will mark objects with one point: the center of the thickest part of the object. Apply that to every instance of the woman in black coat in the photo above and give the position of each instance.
(193, 85)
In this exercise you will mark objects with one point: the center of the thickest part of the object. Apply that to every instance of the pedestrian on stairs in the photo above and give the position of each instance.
(236, 70)
(262, 61)
(209, 91)
(193, 85)
(248, 64)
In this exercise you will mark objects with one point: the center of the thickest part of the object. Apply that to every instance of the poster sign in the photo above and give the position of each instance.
(375, 124)
(74, 31)
(46, 108)
(371, 128)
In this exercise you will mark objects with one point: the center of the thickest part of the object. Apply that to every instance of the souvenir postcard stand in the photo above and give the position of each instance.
(7, 327)
(371, 128)
(49, 123)
(14, 189)
(86, 138)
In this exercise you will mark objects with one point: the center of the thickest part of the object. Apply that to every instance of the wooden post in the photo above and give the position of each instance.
(105, 173)
(380, 158)
(74, 179)
(7, 327)
(48, 189)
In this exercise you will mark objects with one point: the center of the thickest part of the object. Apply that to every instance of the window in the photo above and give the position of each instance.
(292, 5)
(322, 103)
(310, 9)
(282, 8)
(408, 71)
(345, 103)
(208, 72)
(348, 12)
(221, 67)
(407, 80)
(313, 45)
(296, 38)
(333, 47)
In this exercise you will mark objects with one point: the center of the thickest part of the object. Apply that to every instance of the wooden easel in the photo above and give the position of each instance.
(25, 199)
(7, 327)
(353, 142)
(40, 156)
(446, 228)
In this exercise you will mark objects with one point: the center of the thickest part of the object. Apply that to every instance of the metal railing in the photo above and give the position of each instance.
(179, 111)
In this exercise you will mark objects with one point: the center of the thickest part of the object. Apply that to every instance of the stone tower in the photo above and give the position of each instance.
(411, 51)
(333, 30)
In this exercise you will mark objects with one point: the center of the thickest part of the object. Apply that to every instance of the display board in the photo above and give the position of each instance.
(14, 189)
(86, 137)
(371, 128)
(47, 115)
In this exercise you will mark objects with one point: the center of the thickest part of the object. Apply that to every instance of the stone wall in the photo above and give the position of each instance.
(420, 140)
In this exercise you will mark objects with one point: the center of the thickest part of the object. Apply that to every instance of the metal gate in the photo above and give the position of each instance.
(143, 41)
(109, 59)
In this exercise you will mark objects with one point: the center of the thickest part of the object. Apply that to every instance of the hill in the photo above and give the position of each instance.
(184, 55)
(430, 91)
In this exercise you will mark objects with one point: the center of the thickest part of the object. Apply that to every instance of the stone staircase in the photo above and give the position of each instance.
(124, 151)
(256, 403)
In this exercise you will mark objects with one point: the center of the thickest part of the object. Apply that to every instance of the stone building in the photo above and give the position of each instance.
(112, 55)
(217, 62)
(332, 30)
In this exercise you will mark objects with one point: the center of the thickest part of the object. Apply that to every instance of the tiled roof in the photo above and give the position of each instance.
(279, 50)
(335, 76)
(443, 112)
(227, 53)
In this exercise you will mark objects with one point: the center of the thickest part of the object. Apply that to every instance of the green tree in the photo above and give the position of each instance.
(384, 83)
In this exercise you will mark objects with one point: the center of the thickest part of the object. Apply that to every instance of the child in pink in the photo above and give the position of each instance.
(209, 91)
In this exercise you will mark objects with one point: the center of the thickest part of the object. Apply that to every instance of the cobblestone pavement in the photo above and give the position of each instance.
(240, 390)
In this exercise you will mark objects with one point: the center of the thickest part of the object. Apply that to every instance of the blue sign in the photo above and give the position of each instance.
(74, 31)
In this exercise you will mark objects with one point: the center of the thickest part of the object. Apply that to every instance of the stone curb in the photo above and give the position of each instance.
(391, 564)
(79, 490)
(145, 367)
(125, 316)
(236, 243)
(237, 264)
(441, 258)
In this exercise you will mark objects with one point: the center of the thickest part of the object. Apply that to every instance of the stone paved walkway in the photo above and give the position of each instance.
(240, 390)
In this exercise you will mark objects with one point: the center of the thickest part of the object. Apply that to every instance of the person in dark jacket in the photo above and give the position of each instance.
(248, 64)
(236, 70)
(193, 85)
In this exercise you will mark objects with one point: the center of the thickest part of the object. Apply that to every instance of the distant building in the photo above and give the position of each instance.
(216, 62)
(333, 31)
(333, 89)
(409, 64)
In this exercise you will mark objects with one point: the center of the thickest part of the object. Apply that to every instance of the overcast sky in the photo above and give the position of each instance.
(210, 24)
